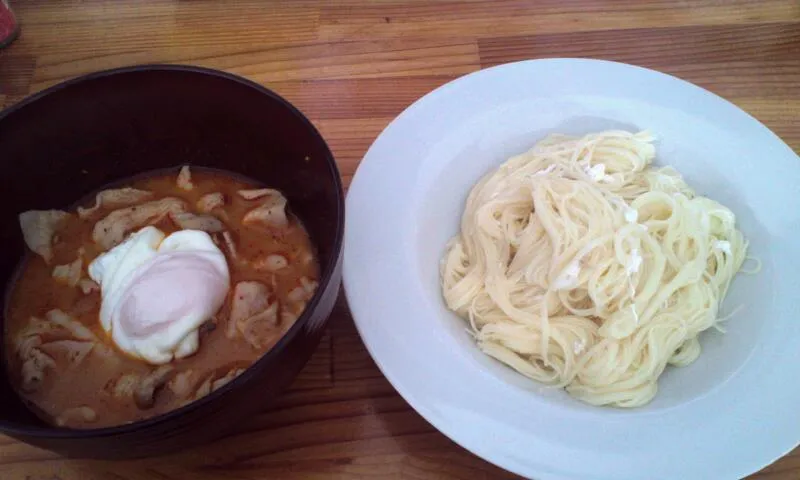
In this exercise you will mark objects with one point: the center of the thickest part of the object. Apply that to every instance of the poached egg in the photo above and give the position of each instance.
(157, 290)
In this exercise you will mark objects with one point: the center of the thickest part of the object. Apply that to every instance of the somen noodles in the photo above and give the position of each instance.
(582, 266)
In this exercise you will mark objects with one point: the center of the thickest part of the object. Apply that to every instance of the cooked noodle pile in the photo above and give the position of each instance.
(581, 266)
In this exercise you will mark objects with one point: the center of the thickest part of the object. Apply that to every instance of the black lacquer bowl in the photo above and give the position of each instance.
(71, 139)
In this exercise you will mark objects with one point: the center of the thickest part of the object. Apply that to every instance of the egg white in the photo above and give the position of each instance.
(125, 268)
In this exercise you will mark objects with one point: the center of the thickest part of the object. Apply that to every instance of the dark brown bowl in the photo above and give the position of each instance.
(73, 138)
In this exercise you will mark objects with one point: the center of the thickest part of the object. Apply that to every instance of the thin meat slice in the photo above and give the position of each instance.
(304, 291)
(57, 326)
(123, 386)
(210, 202)
(85, 305)
(74, 352)
(191, 221)
(253, 315)
(33, 369)
(271, 213)
(69, 274)
(184, 180)
(181, 384)
(111, 230)
(261, 329)
(36, 327)
(82, 414)
(25, 344)
(288, 318)
(298, 297)
(271, 263)
(306, 258)
(249, 298)
(74, 327)
(115, 198)
(39, 228)
(88, 286)
(254, 194)
(59, 336)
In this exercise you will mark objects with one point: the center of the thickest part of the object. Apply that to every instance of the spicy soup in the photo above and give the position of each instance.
(152, 295)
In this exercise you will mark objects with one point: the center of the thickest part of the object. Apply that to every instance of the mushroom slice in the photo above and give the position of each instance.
(210, 201)
(123, 386)
(39, 228)
(227, 237)
(69, 274)
(145, 393)
(254, 194)
(222, 381)
(26, 344)
(82, 414)
(190, 221)
(181, 384)
(271, 213)
(114, 198)
(184, 180)
(111, 230)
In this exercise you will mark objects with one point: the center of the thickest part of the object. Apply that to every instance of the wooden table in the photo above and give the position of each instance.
(351, 66)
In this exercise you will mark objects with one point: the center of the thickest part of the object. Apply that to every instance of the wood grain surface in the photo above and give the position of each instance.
(351, 66)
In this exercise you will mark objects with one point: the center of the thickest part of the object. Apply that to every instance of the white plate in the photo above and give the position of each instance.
(727, 415)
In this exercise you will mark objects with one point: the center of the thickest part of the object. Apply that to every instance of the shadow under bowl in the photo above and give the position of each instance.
(76, 137)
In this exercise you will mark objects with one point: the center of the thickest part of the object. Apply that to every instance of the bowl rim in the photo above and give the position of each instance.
(327, 273)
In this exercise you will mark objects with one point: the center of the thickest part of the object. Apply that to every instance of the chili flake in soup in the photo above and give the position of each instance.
(152, 295)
